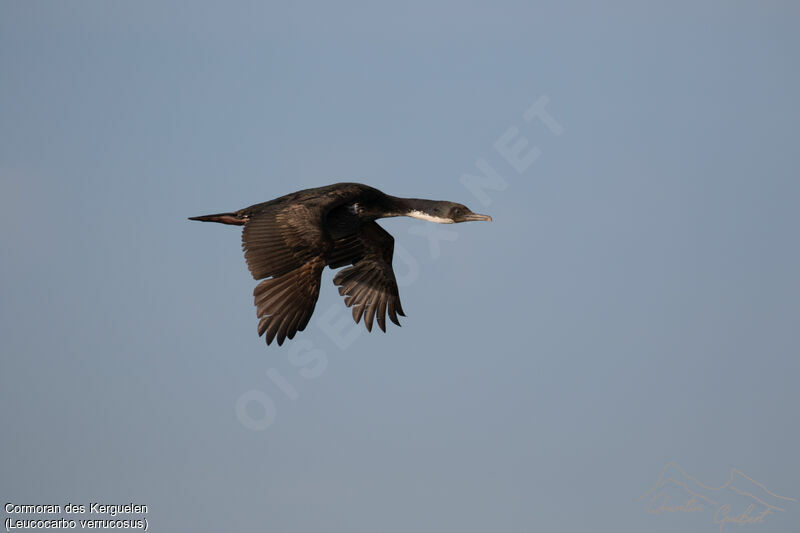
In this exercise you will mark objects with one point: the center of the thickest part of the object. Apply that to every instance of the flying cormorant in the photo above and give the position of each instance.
(290, 240)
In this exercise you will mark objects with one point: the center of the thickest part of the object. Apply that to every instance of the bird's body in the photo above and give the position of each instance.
(288, 242)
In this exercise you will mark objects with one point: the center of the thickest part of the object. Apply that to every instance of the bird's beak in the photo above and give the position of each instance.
(475, 216)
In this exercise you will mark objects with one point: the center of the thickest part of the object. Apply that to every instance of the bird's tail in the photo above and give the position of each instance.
(235, 219)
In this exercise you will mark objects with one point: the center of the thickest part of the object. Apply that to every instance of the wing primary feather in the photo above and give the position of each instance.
(358, 311)
(381, 313)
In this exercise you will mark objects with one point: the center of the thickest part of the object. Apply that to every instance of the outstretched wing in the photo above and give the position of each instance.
(287, 242)
(285, 303)
(283, 238)
(369, 285)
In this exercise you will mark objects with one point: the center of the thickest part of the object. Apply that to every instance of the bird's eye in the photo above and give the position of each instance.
(458, 212)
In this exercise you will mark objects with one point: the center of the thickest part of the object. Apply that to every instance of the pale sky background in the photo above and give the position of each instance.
(635, 301)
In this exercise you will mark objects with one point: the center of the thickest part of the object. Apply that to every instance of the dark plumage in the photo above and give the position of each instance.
(288, 241)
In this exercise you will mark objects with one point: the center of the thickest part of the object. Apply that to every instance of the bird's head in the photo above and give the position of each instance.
(444, 212)
(461, 213)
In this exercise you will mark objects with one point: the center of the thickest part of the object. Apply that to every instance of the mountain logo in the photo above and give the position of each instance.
(740, 500)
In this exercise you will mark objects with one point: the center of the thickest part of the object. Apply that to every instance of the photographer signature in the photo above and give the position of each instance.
(740, 500)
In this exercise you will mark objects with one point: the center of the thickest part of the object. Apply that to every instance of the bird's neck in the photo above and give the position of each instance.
(414, 207)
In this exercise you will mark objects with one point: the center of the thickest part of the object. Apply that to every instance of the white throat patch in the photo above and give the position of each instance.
(425, 216)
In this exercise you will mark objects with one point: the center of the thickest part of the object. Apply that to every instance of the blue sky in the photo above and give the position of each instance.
(634, 302)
